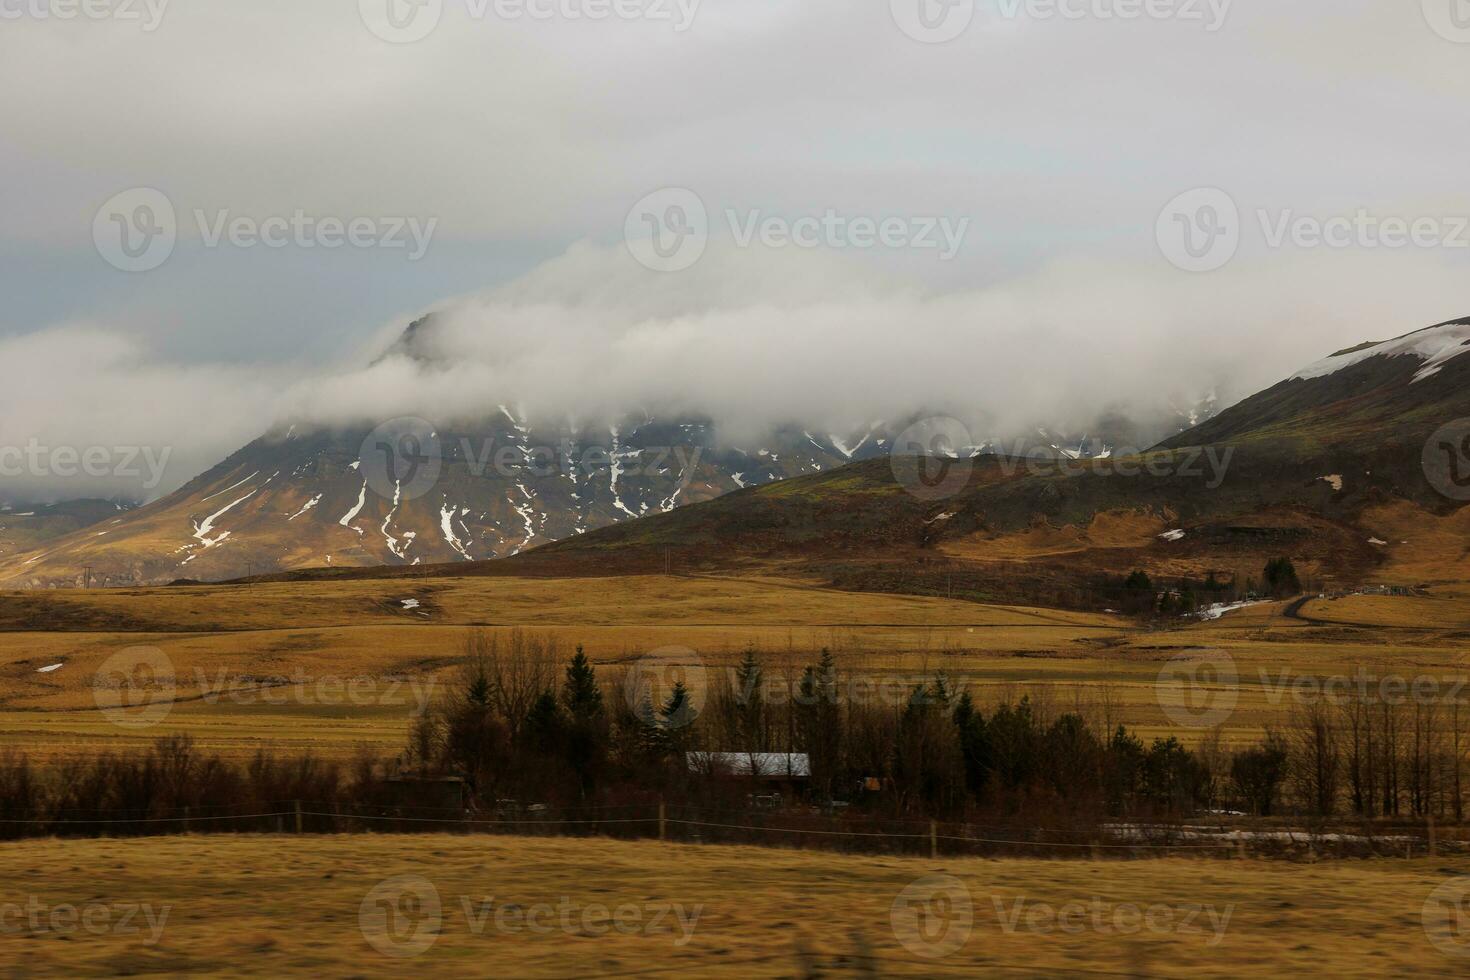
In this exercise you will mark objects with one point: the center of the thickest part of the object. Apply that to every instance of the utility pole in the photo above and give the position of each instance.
(88, 579)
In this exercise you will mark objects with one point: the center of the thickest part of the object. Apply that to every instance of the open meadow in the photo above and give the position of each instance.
(372, 906)
(333, 666)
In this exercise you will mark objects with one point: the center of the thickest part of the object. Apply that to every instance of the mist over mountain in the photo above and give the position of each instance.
(747, 340)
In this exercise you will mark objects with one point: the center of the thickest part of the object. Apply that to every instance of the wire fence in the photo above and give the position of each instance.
(708, 825)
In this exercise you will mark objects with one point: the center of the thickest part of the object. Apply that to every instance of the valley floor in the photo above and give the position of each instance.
(334, 666)
(524, 907)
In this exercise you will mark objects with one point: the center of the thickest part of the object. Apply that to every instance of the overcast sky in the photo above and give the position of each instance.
(1029, 170)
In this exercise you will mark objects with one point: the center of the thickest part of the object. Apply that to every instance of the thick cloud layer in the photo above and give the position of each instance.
(750, 337)
(527, 142)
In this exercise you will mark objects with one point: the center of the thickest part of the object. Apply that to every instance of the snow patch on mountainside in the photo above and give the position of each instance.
(306, 507)
(351, 515)
(1435, 346)
(446, 524)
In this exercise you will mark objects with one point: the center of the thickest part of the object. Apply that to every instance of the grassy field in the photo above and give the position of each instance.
(335, 665)
(518, 907)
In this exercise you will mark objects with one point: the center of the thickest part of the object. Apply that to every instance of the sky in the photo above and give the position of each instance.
(217, 215)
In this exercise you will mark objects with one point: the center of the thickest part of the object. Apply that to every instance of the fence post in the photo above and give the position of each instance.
(934, 839)
(298, 816)
(662, 820)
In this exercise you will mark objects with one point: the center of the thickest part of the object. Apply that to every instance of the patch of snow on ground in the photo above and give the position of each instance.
(1381, 544)
(410, 603)
(1218, 609)
(1175, 535)
(47, 670)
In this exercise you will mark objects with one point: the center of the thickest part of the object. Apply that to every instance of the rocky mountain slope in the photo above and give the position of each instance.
(1356, 467)
(409, 492)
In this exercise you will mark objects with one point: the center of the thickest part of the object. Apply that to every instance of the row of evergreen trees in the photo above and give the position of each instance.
(519, 731)
(1140, 595)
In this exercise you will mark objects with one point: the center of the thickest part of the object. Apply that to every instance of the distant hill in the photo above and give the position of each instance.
(24, 527)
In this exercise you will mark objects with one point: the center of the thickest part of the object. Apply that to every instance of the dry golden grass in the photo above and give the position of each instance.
(245, 638)
(1109, 529)
(287, 906)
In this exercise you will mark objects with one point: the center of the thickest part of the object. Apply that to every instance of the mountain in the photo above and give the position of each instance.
(412, 493)
(1373, 389)
(1356, 467)
(25, 527)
